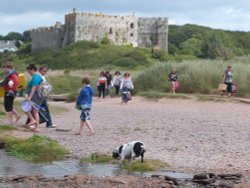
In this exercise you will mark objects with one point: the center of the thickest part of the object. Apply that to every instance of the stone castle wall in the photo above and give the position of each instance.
(47, 38)
(121, 30)
(153, 32)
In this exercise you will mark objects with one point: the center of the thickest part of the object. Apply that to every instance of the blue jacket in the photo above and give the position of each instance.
(85, 96)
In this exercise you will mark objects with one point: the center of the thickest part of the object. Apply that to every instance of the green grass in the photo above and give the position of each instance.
(89, 55)
(155, 95)
(200, 77)
(146, 166)
(65, 84)
(6, 128)
(38, 149)
(97, 158)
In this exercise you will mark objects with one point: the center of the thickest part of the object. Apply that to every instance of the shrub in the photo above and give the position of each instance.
(125, 62)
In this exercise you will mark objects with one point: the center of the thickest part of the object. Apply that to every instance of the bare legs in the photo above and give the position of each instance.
(34, 119)
(89, 126)
(173, 87)
(15, 114)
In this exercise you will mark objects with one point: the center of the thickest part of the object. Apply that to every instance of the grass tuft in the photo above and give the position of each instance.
(146, 166)
(97, 158)
(38, 149)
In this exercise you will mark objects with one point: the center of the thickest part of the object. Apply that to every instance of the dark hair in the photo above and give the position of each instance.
(117, 73)
(43, 67)
(31, 67)
(85, 81)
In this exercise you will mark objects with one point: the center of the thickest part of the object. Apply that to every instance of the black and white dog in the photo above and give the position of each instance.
(129, 151)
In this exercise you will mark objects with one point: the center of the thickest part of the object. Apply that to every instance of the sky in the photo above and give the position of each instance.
(22, 15)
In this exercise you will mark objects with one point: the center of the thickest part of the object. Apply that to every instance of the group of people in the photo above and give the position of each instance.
(37, 89)
(106, 82)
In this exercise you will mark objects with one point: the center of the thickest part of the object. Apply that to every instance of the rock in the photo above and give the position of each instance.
(230, 176)
(203, 176)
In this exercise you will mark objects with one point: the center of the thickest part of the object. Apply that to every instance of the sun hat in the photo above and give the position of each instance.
(26, 106)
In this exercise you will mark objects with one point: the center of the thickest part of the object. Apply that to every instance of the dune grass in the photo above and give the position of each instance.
(201, 77)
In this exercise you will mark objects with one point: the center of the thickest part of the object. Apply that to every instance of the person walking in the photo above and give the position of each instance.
(117, 81)
(126, 87)
(109, 83)
(173, 78)
(228, 80)
(84, 103)
(10, 83)
(35, 96)
(102, 84)
(46, 89)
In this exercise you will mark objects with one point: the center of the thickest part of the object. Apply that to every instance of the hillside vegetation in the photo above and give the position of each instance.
(207, 43)
(85, 54)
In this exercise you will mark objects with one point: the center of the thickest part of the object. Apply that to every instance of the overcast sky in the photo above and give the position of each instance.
(21, 15)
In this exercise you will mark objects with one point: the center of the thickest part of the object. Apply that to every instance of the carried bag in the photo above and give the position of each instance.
(222, 87)
(38, 97)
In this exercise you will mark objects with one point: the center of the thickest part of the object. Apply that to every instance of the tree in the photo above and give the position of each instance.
(13, 36)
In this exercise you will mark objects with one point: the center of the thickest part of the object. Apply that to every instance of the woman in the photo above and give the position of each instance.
(228, 80)
(34, 95)
(117, 81)
(109, 83)
(173, 78)
(102, 84)
(10, 83)
(125, 87)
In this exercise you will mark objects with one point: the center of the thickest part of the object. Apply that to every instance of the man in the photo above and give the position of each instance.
(46, 87)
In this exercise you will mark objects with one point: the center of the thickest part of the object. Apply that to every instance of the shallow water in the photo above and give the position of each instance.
(11, 166)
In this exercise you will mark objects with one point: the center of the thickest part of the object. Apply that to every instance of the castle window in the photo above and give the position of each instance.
(132, 26)
(131, 34)
(110, 30)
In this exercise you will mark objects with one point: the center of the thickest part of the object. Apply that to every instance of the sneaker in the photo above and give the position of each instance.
(52, 126)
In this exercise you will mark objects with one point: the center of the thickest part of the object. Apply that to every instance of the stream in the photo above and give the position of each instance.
(12, 166)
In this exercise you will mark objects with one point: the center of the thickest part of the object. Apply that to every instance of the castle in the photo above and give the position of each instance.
(120, 30)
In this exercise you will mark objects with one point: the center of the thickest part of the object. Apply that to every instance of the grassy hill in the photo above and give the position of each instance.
(90, 55)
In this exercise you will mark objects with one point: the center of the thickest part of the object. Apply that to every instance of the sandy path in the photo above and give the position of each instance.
(185, 133)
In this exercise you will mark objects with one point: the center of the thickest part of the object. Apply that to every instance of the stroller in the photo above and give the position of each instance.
(43, 114)
(126, 95)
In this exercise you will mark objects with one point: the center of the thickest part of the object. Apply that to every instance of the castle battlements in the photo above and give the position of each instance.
(57, 26)
(120, 30)
(97, 15)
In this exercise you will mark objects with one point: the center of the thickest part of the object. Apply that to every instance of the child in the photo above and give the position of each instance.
(10, 83)
(84, 103)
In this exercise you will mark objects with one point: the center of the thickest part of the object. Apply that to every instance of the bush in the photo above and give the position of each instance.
(125, 62)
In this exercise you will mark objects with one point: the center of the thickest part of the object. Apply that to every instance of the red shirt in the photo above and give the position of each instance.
(15, 79)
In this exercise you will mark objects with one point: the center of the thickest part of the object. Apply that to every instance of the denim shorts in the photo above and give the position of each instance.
(85, 115)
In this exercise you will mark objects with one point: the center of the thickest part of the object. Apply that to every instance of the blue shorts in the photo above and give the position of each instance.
(85, 113)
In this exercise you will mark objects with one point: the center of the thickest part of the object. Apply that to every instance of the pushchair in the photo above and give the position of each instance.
(43, 114)
(126, 95)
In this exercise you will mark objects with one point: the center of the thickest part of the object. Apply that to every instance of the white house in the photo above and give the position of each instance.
(8, 46)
